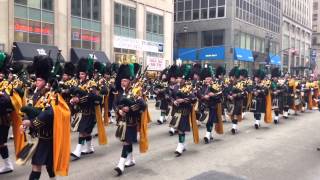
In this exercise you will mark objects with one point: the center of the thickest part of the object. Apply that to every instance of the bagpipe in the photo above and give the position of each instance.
(137, 90)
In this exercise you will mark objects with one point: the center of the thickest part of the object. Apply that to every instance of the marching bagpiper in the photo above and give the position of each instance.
(48, 118)
(211, 98)
(86, 96)
(277, 87)
(259, 97)
(162, 98)
(11, 96)
(184, 117)
(234, 94)
(130, 108)
(174, 86)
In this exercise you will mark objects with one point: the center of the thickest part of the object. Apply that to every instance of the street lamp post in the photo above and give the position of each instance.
(269, 37)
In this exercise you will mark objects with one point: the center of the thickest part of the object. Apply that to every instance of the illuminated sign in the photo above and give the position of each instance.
(77, 36)
(30, 29)
(42, 52)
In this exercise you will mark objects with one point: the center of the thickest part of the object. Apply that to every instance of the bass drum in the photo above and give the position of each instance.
(75, 120)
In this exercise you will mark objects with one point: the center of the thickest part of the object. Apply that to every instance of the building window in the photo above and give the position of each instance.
(86, 24)
(212, 38)
(315, 6)
(154, 27)
(34, 21)
(124, 21)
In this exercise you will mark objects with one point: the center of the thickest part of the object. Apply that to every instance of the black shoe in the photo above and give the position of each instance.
(233, 131)
(206, 140)
(159, 122)
(171, 133)
(256, 126)
(6, 172)
(318, 148)
(86, 153)
(178, 154)
(118, 170)
(286, 117)
(74, 157)
(127, 166)
(211, 138)
(275, 121)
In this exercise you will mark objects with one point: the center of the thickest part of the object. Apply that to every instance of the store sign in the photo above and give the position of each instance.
(94, 57)
(155, 63)
(42, 52)
(76, 36)
(137, 44)
(30, 29)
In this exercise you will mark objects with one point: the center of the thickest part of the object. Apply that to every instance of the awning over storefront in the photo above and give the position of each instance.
(243, 55)
(275, 59)
(187, 54)
(212, 53)
(77, 54)
(27, 51)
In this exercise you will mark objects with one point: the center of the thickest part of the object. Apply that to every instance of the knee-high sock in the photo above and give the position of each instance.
(182, 138)
(125, 151)
(4, 152)
(81, 140)
(34, 175)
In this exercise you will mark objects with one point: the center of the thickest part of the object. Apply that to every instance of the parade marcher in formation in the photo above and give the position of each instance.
(86, 96)
(287, 96)
(174, 86)
(68, 80)
(109, 81)
(197, 84)
(277, 88)
(10, 95)
(162, 98)
(259, 97)
(184, 114)
(244, 80)
(48, 119)
(211, 98)
(131, 114)
(234, 94)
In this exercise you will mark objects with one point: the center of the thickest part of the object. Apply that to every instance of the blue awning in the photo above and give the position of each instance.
(187, 54)
(243, 55)
(216, 53)
(275, 59)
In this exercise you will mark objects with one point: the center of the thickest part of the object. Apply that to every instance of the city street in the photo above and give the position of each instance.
(286, 151)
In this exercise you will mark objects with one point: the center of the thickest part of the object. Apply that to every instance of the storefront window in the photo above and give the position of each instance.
(76, 41)
(125, 54)
(86, 24)
(34, 21)
(21, 30)
(47, 33)
(35, 34)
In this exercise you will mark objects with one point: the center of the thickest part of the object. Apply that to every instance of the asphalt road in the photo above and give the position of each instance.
(286, 151)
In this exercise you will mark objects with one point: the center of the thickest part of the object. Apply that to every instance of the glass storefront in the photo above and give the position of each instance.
(86, 24)
(125, 54)
(34, 21)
